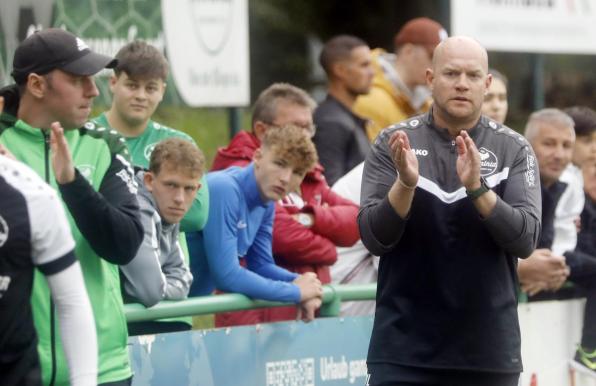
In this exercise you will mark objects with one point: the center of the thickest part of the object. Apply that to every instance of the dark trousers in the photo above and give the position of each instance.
(396, 375)
(124, 382)
(585, 280)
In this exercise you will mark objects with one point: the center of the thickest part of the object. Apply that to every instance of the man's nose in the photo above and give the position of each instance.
(91, 90)
(140, 93)
(179, 196)
(560, 152)
(462, 82)
(285, 175)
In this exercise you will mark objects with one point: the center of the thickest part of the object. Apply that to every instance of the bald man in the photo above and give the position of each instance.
(450, 199)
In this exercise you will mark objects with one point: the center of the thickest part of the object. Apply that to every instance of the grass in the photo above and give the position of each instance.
(208, 126)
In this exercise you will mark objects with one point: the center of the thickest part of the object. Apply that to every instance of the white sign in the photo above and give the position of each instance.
(544, 26)
(207, 46)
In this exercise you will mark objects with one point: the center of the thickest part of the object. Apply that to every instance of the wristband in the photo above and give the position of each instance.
(474, 194)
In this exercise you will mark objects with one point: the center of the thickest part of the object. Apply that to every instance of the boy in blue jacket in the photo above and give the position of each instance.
(233, 252)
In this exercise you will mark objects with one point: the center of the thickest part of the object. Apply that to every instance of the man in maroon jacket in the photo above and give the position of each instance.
(312, 220)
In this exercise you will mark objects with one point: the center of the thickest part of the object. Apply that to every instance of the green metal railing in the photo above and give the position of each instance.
(333, 295)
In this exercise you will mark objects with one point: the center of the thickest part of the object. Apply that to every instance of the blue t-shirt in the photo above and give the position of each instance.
(239, 225)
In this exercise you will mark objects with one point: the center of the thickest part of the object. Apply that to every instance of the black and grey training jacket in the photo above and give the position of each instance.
(447, 287)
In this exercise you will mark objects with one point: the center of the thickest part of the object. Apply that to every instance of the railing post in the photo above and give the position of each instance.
(331, 302)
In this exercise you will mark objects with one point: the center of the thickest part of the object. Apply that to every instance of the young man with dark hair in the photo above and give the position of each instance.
(233, 252)
(584, 149)
(138, 86)
(584, 155)
(166, 192)
(341, 139)
(44, 126)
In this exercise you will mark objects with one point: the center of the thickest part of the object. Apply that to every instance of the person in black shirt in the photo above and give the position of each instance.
(341, 139)
(450, 200)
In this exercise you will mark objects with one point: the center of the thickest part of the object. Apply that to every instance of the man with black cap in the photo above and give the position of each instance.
(45, 126)
(399, 86)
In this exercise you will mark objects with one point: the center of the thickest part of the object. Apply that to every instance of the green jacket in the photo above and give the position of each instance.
(104, 218)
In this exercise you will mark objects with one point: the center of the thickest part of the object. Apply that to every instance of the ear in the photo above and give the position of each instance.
(430, 77)
(163, 90)
(113, 80)
(259, 129)
(257, 157)
(36, 85)
(149, 179)
(488, 81)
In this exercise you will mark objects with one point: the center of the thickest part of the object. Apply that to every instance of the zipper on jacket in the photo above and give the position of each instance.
(453, 146)
(46, 154)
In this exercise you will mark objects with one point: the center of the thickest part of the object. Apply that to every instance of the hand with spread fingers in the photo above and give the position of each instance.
(404, 159)
(61, 158)
(468, 161)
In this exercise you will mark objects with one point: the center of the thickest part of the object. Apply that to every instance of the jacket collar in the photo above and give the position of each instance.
(248, 183)
(444, 132)
(242, 146)
(331, 99)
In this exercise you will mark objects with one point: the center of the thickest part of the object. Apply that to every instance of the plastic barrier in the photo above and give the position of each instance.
(333, 295)
(294, 353)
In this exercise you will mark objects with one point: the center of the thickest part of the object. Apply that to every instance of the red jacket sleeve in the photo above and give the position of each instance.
(336, 219)
(295, 244)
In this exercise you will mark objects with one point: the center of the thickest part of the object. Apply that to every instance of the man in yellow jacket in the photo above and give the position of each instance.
(399, 85)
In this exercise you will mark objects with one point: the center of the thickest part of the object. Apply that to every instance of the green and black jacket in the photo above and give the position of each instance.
(104, 217)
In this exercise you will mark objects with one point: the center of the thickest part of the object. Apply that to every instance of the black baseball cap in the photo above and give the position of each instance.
(55, 48)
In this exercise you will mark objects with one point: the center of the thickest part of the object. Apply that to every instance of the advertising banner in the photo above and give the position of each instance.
(207, 40)
(537, 26)
(208, 50)
(326, 352)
